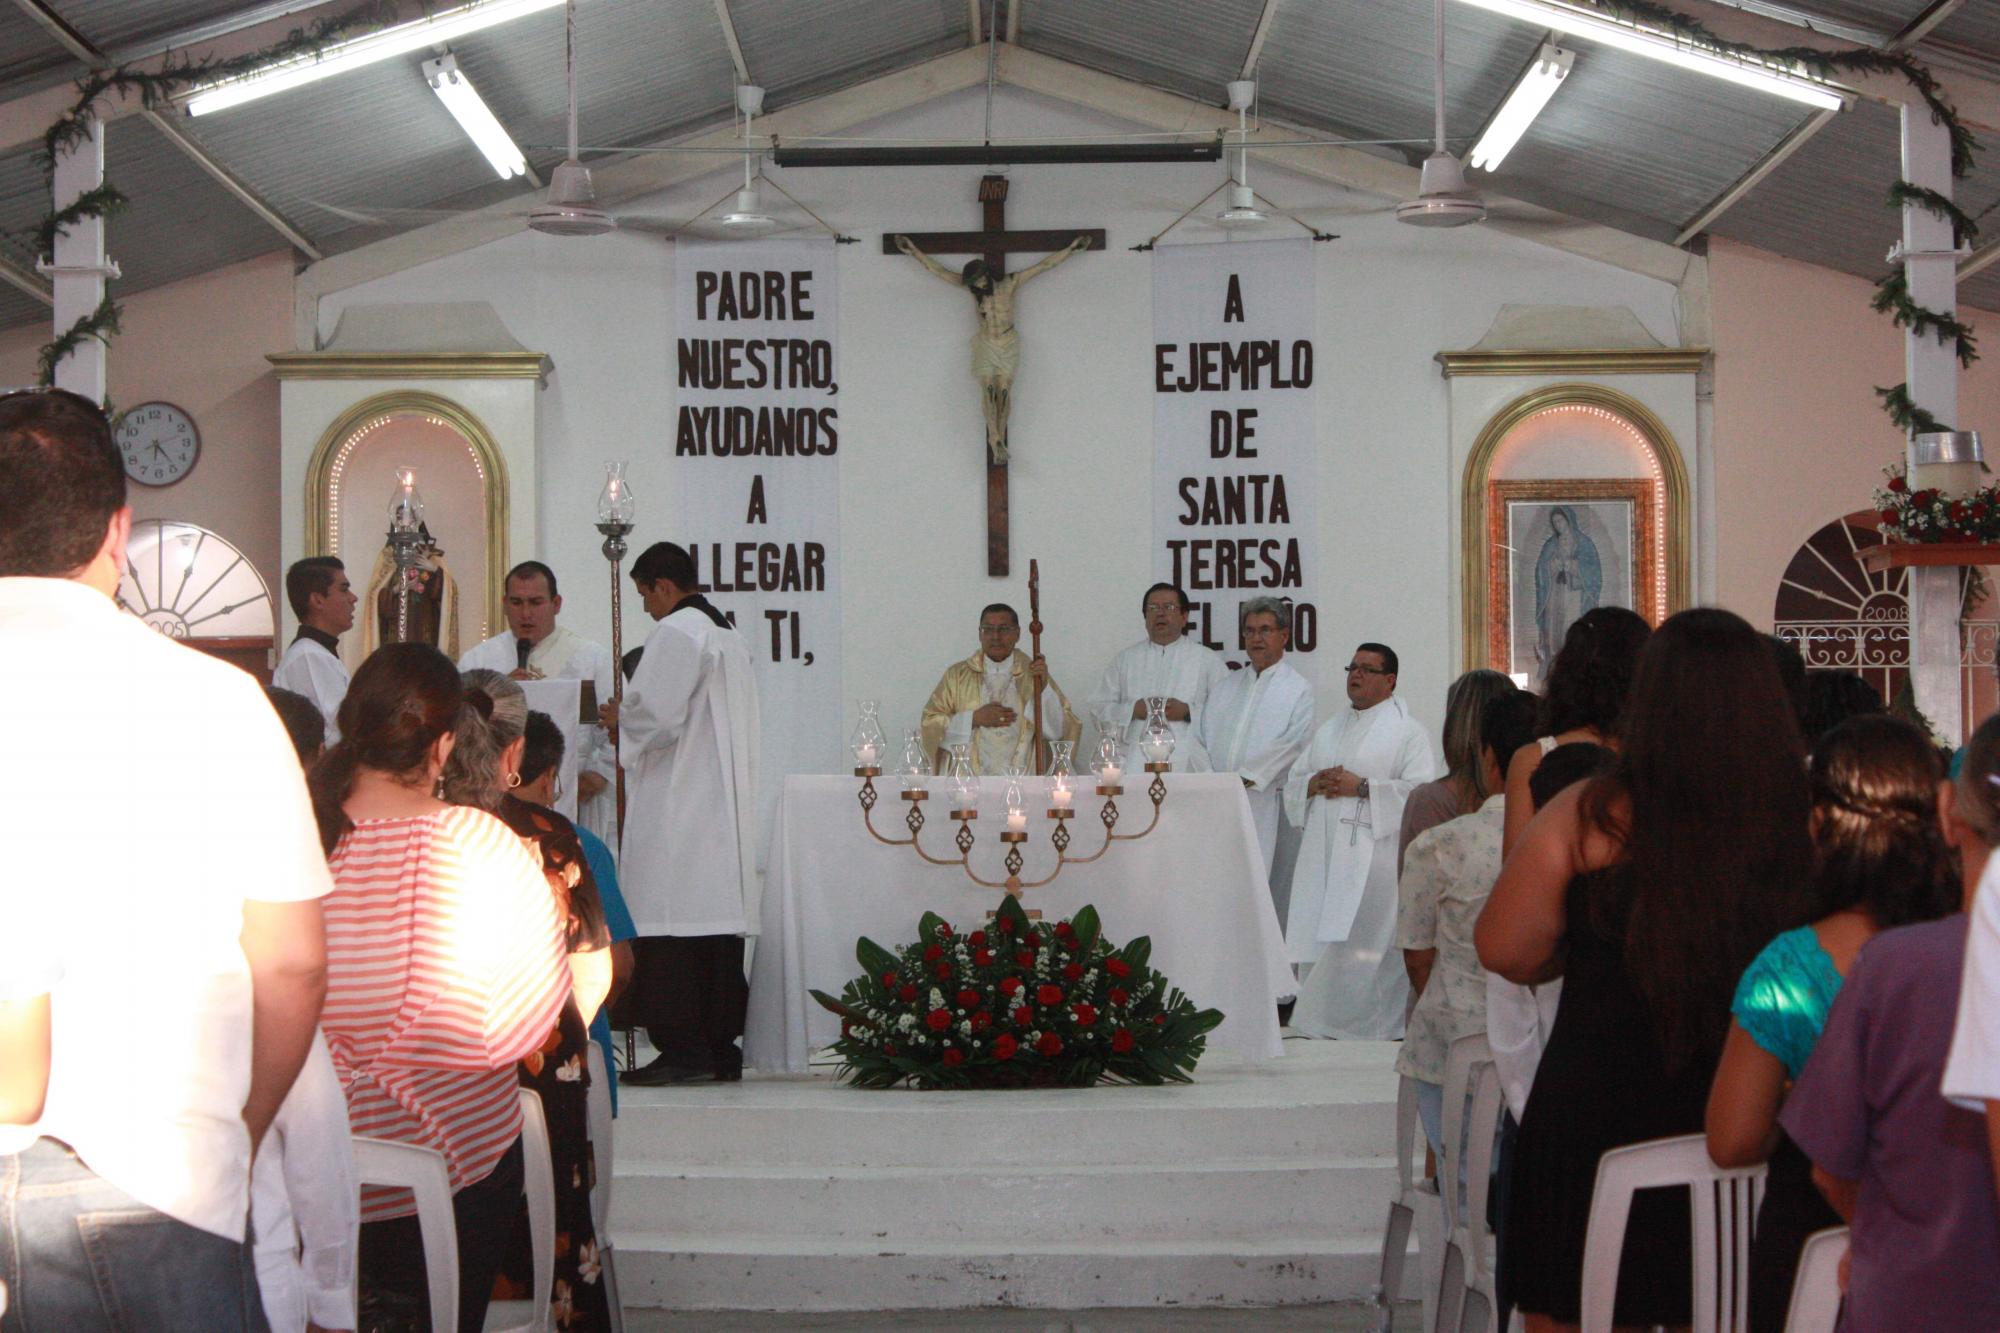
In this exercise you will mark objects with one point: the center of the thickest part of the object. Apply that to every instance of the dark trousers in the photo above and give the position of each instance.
(690, 994)
(392, 1252)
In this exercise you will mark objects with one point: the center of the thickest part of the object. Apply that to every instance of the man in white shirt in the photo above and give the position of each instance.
(688, 736)
(187, 900)
(534, 647)
(1258, 720)
(324, 602)
(1165, 664)
(1347, 795)
(981, 703)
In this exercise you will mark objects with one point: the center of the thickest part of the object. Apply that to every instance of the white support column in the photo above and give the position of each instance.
(1931, 368)
(79, 270)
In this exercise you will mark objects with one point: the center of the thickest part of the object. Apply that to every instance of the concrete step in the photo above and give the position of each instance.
(745, 1273)
(1076, 1202)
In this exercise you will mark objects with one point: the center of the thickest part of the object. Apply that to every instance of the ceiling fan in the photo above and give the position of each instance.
(1443, 198)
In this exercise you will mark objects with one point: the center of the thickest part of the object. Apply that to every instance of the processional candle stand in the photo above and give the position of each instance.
(914, 780)
(617, 508)
(406, 539)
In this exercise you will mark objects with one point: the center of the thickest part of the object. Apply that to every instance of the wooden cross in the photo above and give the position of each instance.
(994, 243)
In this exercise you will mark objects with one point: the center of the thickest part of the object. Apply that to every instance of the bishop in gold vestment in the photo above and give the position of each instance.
(985, 702)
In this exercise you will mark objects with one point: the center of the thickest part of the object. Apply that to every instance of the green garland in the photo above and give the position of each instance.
(1903, 410)
(1892, 296)
(1964, 229)
(155, 88)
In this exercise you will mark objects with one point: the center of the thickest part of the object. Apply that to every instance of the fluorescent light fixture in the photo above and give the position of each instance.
(1564, 17)
(469, 109)
(356, 52)
(1531, 92)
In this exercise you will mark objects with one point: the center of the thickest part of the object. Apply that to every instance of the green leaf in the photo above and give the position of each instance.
(1088, 929)
(844, 1009)
(927, 928)
(1138, 953)
(874, 959)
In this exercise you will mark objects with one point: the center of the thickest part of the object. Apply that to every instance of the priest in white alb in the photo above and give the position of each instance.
(1165, 664)
(983, 703)
(324, 602)
(534, 647)
(1257, 720)
(1348, 793)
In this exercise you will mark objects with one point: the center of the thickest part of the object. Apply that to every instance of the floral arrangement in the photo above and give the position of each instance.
(1017, 1004)
(1929, 515)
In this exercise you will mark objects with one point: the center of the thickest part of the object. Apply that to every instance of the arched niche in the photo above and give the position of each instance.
(1605, 462)
(462, 476)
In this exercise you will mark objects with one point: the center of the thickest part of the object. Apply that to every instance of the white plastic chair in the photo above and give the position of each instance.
(1816, 1290)
(600, 1193)
(538, 1183)
(1723, 1205)
(1466, 1267)
(422, 1171)
(1416, 1204)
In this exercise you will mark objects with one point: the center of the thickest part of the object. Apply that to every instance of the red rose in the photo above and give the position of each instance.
(1004, 1046)
(888, 978)
(1117, 967)
(954, 1056)
(982, 957)
(981, 1021)
(1887, 517)
(932, 954)
(1025, 958)
(1008, 985)
(1049, 995)
(968, 999)
(1033, 941)
(906, 994)
(937, 1020)
(1121, 1040)
(1023, 1016)
(846, 1028)
(1159, 1020)
(1050, 1044)
(976, 938)
(1957, 511)
(1085, 1015)
(1064, 929)
(1898, 485)
(1074, 971)
(944, 971)
(888, 1048)
(944, 931)
(1004, 924)
(1120, 997)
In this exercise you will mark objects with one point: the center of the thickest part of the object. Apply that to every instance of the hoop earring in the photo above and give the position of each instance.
(513, 781)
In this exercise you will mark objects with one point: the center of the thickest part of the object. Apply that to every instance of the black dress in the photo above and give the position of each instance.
(1603, 1083)
(560, 1074)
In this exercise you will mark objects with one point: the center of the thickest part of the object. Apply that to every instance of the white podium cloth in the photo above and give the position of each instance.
(1195, 884)
(562, 700)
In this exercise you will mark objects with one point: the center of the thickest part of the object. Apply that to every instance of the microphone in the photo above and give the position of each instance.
(521, 650)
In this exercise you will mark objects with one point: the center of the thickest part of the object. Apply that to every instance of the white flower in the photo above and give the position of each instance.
(906, 1022)
(937, 998)
(965, 1028)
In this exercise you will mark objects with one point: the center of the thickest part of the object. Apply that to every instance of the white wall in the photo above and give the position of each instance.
(912, 477)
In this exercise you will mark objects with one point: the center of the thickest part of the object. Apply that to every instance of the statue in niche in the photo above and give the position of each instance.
(1569, 580)
(433, 613)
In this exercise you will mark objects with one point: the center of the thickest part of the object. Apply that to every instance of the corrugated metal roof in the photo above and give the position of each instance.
(845, 42)
(1887, 17)
(180, 222)
(30, 59)
(1190, 47)
(17, 308)
(1975, 27)
(1366, 69)
(113, 25)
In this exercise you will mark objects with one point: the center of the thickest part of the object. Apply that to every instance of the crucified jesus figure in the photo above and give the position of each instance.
(996, 348)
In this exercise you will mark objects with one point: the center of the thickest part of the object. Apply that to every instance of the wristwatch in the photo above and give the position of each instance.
(1362, 793)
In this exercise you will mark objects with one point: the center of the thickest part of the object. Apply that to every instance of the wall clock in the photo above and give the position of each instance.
(159, 443)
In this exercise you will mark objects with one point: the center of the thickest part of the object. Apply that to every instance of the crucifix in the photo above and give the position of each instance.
(996, 347)
(1356, 824)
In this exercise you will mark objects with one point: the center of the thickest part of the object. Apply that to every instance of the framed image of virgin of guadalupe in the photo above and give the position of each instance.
(1561, 548)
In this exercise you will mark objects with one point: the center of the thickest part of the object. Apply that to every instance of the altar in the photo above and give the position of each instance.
(1195, 885)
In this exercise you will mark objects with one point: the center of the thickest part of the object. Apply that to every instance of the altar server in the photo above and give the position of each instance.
(322, 599)
(1348, 793)
(687, 736)
(1258, 720)
(534, 647)
(1167, 664)
(983, 702)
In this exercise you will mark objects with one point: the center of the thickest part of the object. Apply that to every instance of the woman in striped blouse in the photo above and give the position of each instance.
(445, 966)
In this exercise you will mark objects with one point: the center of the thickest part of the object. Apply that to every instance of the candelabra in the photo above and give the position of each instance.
(617, 508)
(406, 540)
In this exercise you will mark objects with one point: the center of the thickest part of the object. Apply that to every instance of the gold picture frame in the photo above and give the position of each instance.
(1609, 532)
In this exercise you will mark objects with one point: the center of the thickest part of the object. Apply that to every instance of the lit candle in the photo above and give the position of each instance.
(867, 754)
(1061, 795)
(1017, 821)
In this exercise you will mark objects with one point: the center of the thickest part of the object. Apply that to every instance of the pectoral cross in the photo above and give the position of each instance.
(1356, 824)
(996, 346)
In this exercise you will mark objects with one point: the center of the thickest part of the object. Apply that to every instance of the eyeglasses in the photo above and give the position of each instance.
(998, 631)
(1365, 669)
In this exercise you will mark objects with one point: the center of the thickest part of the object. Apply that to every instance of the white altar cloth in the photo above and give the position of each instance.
(1195, 885)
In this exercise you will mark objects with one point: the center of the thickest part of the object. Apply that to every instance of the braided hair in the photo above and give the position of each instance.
(1877, 844)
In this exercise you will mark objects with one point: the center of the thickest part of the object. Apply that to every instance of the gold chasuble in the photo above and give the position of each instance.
(964, 688)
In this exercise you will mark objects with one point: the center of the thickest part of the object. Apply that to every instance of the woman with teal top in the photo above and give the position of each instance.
(1879, 860)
